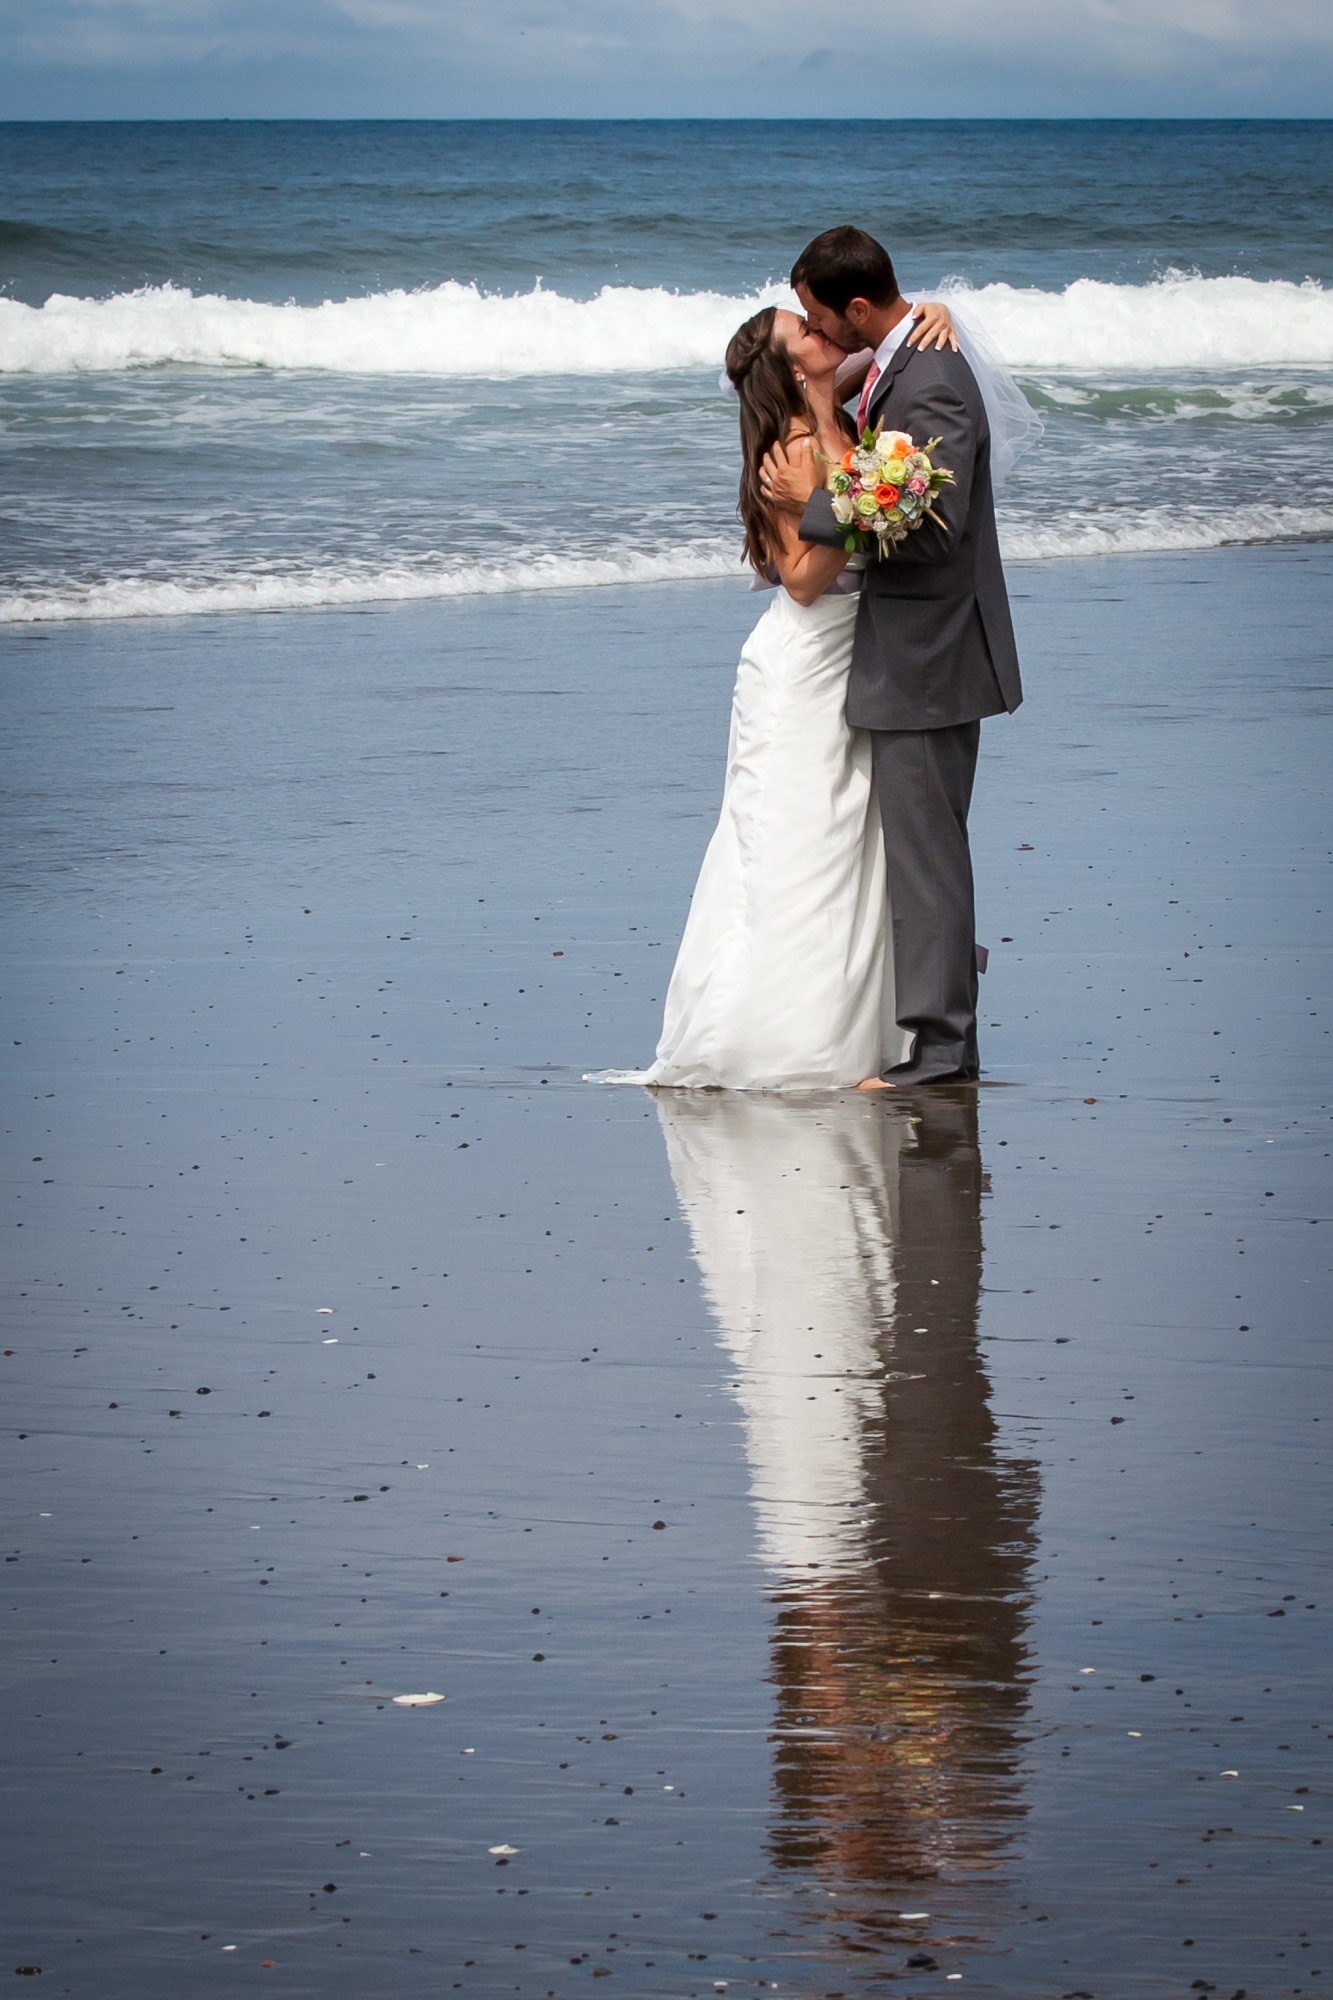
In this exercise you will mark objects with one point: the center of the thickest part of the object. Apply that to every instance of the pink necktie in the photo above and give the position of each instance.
(863, 407)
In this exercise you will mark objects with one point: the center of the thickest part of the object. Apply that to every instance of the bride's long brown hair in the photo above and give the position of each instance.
(772, 402)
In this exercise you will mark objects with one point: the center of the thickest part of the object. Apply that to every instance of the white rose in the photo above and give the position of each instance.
(843, 510)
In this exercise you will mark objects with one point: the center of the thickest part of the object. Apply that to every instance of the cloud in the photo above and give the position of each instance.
(746, 58)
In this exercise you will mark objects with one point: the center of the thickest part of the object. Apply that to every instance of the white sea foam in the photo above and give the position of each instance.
(1159, 531)
(454, 330)
(1071, 535)
(134, 597)
(1178, 322)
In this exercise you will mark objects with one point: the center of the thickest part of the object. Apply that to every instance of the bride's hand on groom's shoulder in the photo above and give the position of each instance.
(932, 326)
(790, 474)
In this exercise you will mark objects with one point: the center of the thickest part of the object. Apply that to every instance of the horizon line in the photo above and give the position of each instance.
(684, 118)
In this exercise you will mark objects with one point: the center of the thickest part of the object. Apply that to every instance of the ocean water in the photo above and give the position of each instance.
(267, 365)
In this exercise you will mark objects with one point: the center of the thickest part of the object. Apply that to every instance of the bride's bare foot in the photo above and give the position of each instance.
(876, 1083)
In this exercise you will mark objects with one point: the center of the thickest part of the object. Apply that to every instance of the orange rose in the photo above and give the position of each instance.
(887, 496)
(847, 462)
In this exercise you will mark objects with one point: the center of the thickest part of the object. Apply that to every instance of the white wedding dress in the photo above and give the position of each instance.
(784, 980)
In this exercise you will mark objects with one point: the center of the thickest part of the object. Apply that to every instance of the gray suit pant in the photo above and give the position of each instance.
(924, 781)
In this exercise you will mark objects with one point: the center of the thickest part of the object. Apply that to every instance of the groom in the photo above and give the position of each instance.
(934, 647)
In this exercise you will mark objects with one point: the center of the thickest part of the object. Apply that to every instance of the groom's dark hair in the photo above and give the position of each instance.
(843, 264)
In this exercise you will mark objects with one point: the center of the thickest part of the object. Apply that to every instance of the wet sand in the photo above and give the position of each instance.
(983, 1644)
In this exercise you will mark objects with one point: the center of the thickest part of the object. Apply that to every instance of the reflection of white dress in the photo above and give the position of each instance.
(792, 1214)
(784, 979)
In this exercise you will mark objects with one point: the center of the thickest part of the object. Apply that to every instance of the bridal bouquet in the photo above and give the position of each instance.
(883, 489)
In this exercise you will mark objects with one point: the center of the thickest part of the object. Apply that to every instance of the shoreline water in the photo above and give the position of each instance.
(310, 1210)
(139, 599)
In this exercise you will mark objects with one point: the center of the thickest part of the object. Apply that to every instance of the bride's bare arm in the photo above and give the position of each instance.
(806, 568)
(851, 374)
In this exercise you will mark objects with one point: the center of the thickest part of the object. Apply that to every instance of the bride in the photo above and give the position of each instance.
(784, 980)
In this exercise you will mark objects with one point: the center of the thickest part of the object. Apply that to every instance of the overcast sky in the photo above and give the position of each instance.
(664, 58)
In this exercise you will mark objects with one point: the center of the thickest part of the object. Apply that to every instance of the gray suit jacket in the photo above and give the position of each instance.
(934, 642)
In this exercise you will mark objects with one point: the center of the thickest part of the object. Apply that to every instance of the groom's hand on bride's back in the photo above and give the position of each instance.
(790, 474)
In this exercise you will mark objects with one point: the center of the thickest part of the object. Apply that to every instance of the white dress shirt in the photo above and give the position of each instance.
(893, 340)
(884, 353)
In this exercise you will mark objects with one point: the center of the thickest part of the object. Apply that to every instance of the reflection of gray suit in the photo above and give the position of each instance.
(934, 652)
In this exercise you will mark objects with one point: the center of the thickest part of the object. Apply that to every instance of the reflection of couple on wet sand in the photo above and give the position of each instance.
(831, 938)
(840, 1247)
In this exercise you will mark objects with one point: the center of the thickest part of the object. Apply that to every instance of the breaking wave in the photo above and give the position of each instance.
(1177, 322)
(454, 330)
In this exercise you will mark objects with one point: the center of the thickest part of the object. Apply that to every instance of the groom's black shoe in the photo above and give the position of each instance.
(921, 1075)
